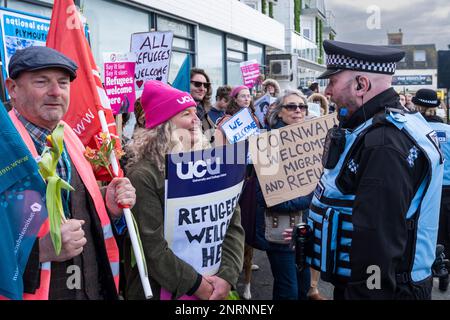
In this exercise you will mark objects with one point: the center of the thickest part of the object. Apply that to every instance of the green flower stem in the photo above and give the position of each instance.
(47, 168)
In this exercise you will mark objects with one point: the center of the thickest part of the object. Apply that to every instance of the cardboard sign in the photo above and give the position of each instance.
(20, 30)
(119, 81)
(250, 72)
(240, 126)
(288, 161)
(153, 52)
(202, 191)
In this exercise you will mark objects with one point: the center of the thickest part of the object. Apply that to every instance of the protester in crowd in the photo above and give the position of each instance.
(314, 87)
(201, 91)
(271, 87)
(289, 284)
(402, 99)
(39, 86)
(165, 116)
(269, 111)
(222, 98)
(139, 114)
(321, 100)
(374, 188)
(313, 292)
(258, 90)
(305, 90)
(409, 104)
(427, 102)
(241, 98)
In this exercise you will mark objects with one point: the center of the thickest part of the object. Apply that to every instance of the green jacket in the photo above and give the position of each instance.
(164, 267)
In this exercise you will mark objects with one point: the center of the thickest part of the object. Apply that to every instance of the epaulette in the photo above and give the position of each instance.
(376, 137)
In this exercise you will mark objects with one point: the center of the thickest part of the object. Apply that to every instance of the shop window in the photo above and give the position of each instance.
(211, 56)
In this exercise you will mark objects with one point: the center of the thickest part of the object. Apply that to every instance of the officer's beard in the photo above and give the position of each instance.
(345, 100)
(351, 104)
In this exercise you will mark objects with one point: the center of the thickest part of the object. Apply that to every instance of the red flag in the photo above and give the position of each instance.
(87, 95)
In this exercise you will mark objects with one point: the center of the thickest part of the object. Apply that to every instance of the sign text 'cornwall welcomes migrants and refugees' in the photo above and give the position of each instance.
(288, 161)
(202, 192)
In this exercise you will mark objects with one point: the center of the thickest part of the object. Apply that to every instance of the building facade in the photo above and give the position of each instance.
(218, 34)
(419, 67)
(307, 23)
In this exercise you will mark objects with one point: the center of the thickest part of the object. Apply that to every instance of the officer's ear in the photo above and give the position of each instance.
(363, 84)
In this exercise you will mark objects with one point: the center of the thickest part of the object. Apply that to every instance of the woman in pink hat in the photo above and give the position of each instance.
(171, 125)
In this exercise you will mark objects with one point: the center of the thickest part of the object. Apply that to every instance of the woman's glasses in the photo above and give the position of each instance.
(198, 84)
(293, 107)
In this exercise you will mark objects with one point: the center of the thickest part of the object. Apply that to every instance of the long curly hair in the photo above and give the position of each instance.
(154, 144)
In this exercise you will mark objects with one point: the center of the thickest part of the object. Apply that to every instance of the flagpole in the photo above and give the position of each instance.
(127, 213)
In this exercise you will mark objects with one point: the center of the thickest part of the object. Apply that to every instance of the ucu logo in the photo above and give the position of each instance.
(198, 169)
(185, 99)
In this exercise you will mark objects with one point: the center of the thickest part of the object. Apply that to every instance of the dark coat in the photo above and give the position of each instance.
(384, 185)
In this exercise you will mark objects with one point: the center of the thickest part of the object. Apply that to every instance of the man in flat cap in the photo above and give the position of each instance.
(375, 210)
(87, 266)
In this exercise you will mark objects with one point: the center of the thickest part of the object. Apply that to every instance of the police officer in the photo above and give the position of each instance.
(426, 102)
(374, 213)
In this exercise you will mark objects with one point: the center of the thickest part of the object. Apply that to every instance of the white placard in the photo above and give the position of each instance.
(153, 52)
(240, 126)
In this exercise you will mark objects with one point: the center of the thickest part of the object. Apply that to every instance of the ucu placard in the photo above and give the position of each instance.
(201, 195)
(198, 169)
(185, 99)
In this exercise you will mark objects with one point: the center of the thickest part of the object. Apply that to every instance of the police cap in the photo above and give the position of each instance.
(426, 98)
(360, 57)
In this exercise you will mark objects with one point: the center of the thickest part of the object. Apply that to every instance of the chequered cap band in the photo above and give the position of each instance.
(343, 62)
(428, 101)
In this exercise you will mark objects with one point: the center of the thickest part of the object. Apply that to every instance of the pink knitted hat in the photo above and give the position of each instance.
(161, 102)
(236, 91)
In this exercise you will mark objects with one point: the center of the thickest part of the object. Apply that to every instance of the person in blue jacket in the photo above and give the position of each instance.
(290, 108)
(426, 102)
(374, 214)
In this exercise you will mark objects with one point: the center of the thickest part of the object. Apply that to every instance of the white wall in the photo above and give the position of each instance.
(229, 16)
(284, 13)
(311, 23)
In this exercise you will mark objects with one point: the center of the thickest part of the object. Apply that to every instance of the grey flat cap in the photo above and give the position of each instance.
(38, 58)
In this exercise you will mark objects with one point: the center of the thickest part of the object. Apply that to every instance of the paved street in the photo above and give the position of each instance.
(262, 282)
